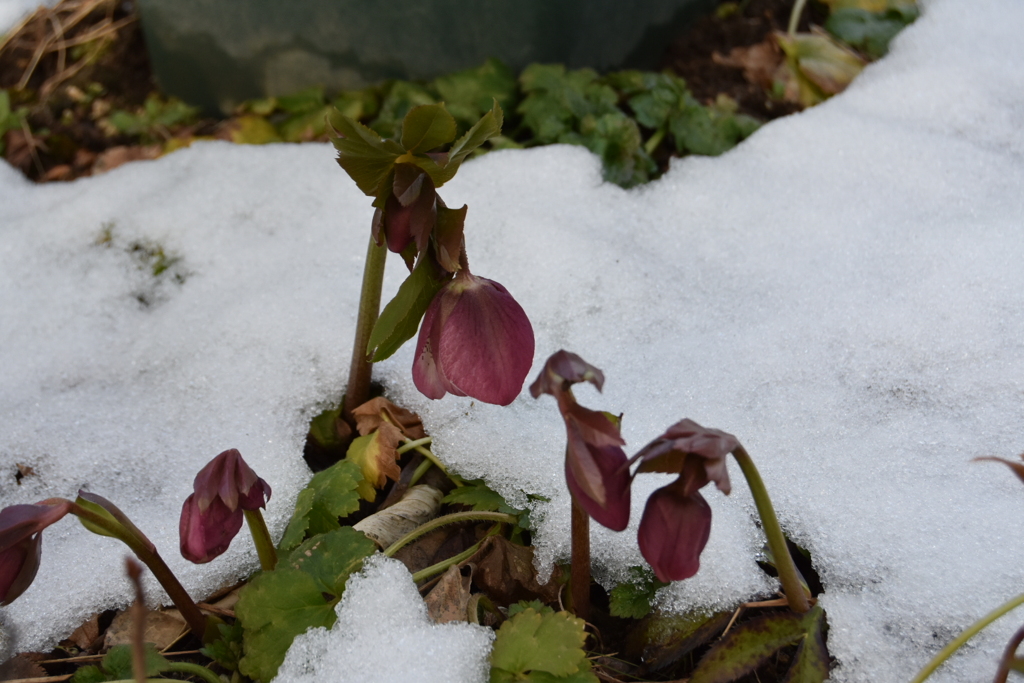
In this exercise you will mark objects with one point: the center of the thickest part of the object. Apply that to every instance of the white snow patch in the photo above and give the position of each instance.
(383, 633)
(843, 292)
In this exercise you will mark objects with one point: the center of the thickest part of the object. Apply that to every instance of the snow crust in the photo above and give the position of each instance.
(383, 633)
(13, 11)
(843, 292)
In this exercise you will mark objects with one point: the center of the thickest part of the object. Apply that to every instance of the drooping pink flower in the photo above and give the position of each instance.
(475, 340)
(673, 531)
(212, 515)
(677, 520)
(596, 468)
(21, 542)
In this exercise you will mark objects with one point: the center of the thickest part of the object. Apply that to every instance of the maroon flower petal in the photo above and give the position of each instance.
(18, 567)
(475, 340)
(563, 369)
(610, 507)
(227, 477)
(203, 535)
(671, 451)
(673, 532)
(19, 522)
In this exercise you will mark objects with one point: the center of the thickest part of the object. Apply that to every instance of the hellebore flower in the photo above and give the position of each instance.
(677, 520)
(409, 212)
(21, 544)
(212, 515)
(596, 468)
(475, 340)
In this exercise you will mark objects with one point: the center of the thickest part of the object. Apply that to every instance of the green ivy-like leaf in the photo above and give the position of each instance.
(867, 31)
(426, 127)
(116, 665)
(227, 649)
(470, 94)
(532, 642)
(632, 599)
(329, 495)
(300, 594)
(752, 643)
(362, 153)
(400, 319)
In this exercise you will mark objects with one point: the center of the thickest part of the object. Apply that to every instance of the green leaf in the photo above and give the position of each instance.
(469, 94)
(300, 594)
(478, 496)
(400, 319)
(442, 168)
(362, 153)
(90, 674)
(227, 649)
(400, 98)
(426, 127)
(357, 104)
(661, 640)
(329, 495)
(810, 665)
(535, 605)
(534, 642)
(867, 31)
(304, 101)
(117, 665)
(752, 643)
(632, 599)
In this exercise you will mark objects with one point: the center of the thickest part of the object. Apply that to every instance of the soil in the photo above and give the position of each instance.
(66, 114)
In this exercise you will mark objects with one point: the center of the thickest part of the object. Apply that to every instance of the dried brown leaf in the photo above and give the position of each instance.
(759, 62)
(449, 599)
(163, 628)
(505, 572)
(370, 415)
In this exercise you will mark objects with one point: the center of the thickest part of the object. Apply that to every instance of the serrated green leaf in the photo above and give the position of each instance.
(535, 642)
(300, 594)
(90, 674)
(810, 665)
(752, 643)
(442, 168)
(469, 94)
(535, 605)
(632, 599)
(362, 153)
(329, 495)
(401, 96)
(867, 31)
(117, 663)
(426, 127)
(227, 648)
(332, 557)
(400, 319)
(476, 495)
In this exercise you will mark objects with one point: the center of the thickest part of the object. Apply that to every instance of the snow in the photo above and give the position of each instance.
(843, 292)
(383, 633)
(13, 11)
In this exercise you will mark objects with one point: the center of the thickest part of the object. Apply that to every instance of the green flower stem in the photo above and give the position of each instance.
(433, 459)
(794, 16)
(409, 445)
(973, 630)
(438, 522)
(655, 140)
(442, 566)
(358, 391)
(194, 670)
(579, 572)
(420, 471)
(261, 537)
(788, 574)
(196, 620)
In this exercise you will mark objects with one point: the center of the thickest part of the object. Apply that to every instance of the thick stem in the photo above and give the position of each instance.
(1009, 655)
(972, 630)
(358, 391)
(149, 557)
(788, 574)
(261, 537)
(579, 575)
(448, 519)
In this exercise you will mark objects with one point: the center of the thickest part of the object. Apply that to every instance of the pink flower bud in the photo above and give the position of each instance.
(212, 515)
(21, 542)
(475, 340)
(673, 531)
(609, 464)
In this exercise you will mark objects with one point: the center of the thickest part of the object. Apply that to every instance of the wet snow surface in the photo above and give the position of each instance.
(843, 292)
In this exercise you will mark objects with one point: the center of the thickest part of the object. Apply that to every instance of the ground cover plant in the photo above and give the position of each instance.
(537, 613)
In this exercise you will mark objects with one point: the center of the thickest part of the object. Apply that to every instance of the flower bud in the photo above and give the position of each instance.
(212, 515)
(673, 531)
(475, 341)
